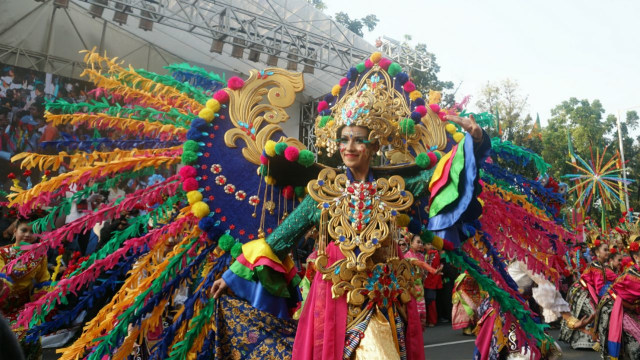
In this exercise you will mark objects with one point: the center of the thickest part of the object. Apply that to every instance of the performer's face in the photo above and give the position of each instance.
(24, 233)
(355, 148)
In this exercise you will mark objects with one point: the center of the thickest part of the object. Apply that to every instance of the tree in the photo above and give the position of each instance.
(318, 4)
(356, 25)
(505, 100)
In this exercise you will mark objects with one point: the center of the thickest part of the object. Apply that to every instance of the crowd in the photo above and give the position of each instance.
(23, 97)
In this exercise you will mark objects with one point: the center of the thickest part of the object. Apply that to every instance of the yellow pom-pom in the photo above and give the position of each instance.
(194, 196)
(270, 148)
(414, 95)
(457, 137)
(437, 242)
(206, 114)
(270, 180)
(375, 57)
(335, 90)
(214, 105)
(330, 123)
(402, 220)
(434, 97)
(451, 129)
(200, 209)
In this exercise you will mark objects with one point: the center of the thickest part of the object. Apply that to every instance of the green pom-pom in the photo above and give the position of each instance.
(438, 154)
(299, 190)
(189, 157)
(226, 242)
(394, 69)
(422, 160)
(407, 127)
(236, 250)
(360, 67)
(306, 158)
(280, 147)
(426, 236)
(263, 170)
(191, 145)
(324, 120)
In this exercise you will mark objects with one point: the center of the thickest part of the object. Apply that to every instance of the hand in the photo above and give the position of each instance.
(468, 124)
(218, 287)
(439, 270)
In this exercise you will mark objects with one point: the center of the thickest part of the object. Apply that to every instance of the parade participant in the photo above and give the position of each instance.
(23, 283)
(614, 261)
(432, 283)
(618, 317)
(584, 296)
(357, 231)
(466, 298)
(415, 254)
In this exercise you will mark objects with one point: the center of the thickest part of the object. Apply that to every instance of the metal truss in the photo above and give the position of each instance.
(40, 61)
(403, 54)
(265, 32)
(307, 122)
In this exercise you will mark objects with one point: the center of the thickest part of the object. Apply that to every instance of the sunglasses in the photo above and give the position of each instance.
(402, 244)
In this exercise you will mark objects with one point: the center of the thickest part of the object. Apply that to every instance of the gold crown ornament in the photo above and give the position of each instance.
(377, 95)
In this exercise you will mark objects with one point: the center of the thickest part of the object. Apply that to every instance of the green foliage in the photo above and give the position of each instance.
(356, 25)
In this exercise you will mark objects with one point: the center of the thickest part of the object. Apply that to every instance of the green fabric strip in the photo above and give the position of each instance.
(242, 271)
(449, 193)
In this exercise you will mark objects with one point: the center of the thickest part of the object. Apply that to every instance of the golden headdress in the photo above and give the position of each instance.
(377, 95)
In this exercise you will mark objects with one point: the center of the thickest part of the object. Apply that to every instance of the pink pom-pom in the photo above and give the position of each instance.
(288, 192)
(435, 108)
(187, 172)
(221, 96)
(190, 184)
(433, 159)
(263, 160)
(343, 81)
(368, 64)
(235, 83)
(384, 63)
(409, 86)
(422, 110)
(291, 153)
(322, 105)
(442, 115)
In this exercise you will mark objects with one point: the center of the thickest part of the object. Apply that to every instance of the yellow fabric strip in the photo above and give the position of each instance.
(438, 172)
(253, 250)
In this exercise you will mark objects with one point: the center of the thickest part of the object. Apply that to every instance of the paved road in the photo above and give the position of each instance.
(443, 343)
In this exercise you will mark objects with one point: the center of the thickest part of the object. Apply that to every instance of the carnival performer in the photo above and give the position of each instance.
(432, 283)
(618, 320)
(614, 261)
(466, 298)
(356, 210)
(583, 299)
(415, 254)
(23, 283)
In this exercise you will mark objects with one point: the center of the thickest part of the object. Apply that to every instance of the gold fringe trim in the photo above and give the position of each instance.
(83, 159)
(141, 127)
(99, 169)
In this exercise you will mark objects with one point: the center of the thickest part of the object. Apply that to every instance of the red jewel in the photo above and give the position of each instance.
(211, 198)
(251, 236)
(359, 216)
(212, 136)
(269, 230)
(216, 127)
(361, 196)
(204, 177)
(223, 219)
(241, 232)
(206, 154)
(231, 227)
(209, 144)
(203, 167)
(218, 210)
(360, 205)
(207, 188)
(221, 117)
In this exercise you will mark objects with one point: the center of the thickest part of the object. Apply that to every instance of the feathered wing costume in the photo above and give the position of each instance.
(230, 206)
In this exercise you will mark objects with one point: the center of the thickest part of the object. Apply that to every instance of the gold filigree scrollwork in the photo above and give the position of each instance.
(358, 234)
(254, 121)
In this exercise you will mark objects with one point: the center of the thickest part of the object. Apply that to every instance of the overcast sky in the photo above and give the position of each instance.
(554, 49)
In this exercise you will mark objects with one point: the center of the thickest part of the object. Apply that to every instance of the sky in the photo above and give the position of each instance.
(555, 50)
